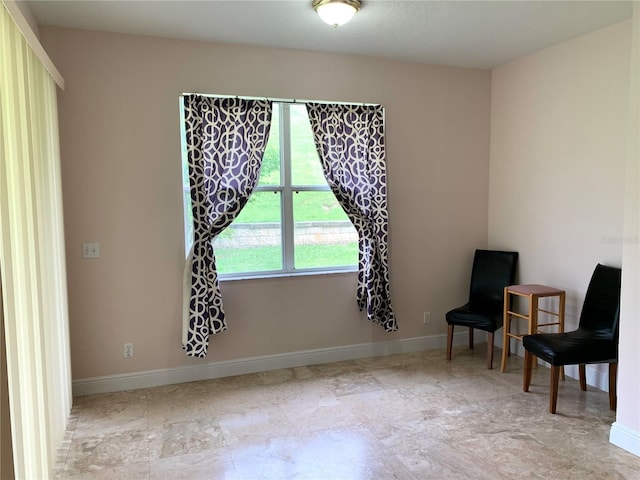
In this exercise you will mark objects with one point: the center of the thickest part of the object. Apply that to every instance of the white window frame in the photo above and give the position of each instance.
(286, 190)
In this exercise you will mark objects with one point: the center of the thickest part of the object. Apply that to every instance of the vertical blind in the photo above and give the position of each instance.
(32, 259)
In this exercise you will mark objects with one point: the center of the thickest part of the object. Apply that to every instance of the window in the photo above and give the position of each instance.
(292, 223)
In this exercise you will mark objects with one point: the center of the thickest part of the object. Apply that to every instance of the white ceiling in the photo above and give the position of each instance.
(480, 34)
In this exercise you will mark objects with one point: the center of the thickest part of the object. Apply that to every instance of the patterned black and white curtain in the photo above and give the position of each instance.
(225, 139)
(350, 142)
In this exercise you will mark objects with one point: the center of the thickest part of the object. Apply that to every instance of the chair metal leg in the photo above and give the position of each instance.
(553, 393)
(471, 338)
(490, 351)
(613, 399)
(582, 372)
(526, 379)
(449, 341)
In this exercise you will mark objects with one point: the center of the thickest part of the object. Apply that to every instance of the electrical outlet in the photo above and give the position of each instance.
(128, 350)
(90, 250)
(426, 318)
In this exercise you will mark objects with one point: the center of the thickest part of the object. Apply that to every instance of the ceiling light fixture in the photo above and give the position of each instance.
(336, 12)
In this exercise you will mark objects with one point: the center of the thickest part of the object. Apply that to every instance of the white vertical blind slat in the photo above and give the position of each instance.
(32, 257)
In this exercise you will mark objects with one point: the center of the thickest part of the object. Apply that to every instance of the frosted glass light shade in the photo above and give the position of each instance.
(336, 12)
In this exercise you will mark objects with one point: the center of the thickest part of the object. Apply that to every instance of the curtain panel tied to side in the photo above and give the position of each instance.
(225, 141)
(350, 143)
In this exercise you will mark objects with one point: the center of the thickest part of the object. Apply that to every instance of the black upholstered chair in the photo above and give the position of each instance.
(492, 271)
(595, 340)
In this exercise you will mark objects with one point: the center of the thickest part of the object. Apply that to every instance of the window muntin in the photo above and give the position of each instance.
(292, 223)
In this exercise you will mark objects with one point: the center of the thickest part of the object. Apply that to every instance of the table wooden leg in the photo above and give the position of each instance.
(533, 319)
(505, 335)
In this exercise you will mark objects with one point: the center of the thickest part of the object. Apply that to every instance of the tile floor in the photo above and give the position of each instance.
(409, 416)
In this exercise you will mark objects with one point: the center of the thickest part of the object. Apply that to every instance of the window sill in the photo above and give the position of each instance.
(304, 273)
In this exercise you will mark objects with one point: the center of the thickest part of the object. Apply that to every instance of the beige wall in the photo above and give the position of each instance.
(557, 177)
(558, 150)
(121, 180)
(628, 414)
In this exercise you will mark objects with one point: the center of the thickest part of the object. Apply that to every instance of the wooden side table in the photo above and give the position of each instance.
(533, 292)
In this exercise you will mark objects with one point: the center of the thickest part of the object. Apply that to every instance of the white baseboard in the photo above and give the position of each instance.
(168, 376)
(625, 438)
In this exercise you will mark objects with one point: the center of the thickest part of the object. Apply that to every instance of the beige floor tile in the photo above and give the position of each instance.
(175, 406)
(185, 437)
(128, 471)
(410, 416)
(109, 451)
(101, 415)
(432, 458)
(279, 457)
(195, 466)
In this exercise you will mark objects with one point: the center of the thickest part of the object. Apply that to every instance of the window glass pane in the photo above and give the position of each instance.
(323, 235)
(253, 242)
(305, 164)
(270, 170)
(186, 190)
(188, 211)
(188, 217)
